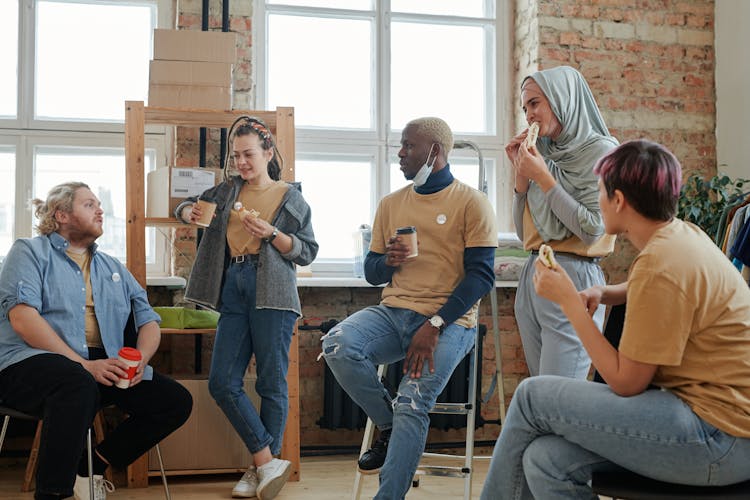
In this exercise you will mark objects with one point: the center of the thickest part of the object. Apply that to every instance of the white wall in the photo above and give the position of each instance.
(732, 87)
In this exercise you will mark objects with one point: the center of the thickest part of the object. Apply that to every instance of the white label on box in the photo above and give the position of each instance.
(190, 181)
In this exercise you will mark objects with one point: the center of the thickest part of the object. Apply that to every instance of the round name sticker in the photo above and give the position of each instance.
(441, 219)
(116, 277)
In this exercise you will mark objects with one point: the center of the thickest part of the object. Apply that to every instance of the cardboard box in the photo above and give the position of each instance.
(194, 45)
(190, 96)
(207, 441)
(167, 187)
(190, 73)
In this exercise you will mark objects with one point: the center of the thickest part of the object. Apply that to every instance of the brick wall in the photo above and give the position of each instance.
(650, 65)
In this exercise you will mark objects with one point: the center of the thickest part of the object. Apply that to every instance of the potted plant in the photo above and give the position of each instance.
(702, 201)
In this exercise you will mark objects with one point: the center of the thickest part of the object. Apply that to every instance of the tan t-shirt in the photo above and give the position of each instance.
(532, 240)
(688, 311)
(447, 222)
(93, 335)
(265, 200)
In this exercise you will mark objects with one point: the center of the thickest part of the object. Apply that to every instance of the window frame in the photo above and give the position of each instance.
(383, 143)
(26, 132)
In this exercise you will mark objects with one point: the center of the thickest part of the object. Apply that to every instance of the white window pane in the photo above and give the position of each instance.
(91, 58)
(330, 4)
(322, 67)
(7, 198)
(103, 169)
(449, 64)
(338, 195)
(466, 171)
(470, 8)
(8, 57)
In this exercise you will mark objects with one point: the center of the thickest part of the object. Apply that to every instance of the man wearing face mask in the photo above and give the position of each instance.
(427, 315)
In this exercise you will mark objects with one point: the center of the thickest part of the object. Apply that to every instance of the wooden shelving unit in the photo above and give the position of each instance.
(137, 116)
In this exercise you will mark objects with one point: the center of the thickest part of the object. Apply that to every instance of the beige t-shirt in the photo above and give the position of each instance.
(688, 311)
(265, 200)
(93, 335)
(447, 222)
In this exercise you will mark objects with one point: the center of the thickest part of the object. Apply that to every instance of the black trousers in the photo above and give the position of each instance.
(67, 398)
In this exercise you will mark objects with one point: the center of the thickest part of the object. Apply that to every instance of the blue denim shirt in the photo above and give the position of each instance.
(37, 272)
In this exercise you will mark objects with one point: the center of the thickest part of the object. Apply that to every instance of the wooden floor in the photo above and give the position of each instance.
(326, 478)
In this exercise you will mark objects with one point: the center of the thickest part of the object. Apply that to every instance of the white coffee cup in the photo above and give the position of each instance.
(132, 358)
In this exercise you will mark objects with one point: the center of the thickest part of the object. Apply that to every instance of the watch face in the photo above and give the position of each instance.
(436, 321)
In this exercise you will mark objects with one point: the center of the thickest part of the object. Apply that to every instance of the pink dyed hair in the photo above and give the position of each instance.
(647, 174)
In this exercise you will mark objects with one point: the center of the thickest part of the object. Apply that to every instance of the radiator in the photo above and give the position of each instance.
(340, 412)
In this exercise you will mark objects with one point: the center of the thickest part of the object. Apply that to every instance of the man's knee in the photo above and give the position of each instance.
(336, 343)
(412, 398)
(181, 403)
(76, 385)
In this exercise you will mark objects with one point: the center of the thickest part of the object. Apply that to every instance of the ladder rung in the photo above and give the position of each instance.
(457, 408)
(441, 470)
(430, 454)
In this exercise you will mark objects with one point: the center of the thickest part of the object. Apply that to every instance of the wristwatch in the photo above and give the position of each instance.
(273, 236)
(438, 323)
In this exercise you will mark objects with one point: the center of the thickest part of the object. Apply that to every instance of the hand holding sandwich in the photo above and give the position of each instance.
(552, 282)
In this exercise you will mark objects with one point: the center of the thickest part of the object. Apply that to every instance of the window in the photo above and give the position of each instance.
(62, 115)
(356, 72)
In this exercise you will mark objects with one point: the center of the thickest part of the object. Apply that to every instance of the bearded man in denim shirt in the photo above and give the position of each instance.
(64, 309)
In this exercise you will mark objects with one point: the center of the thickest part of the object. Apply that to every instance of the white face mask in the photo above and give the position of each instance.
(421, 176)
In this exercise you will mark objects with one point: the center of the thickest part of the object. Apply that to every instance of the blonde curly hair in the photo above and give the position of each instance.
(59, 197)
(436, 129)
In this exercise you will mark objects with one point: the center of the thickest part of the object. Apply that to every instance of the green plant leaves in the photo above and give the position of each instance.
(702, 201)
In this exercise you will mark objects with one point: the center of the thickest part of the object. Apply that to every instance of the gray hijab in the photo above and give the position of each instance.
(571, 158)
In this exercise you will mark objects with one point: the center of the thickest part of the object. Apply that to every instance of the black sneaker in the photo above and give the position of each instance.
(372, 460)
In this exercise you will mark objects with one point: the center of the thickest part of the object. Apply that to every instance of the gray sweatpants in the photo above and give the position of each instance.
(550, 343)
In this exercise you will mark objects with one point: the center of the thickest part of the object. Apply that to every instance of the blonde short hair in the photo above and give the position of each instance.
(436, 129)
(59, 197)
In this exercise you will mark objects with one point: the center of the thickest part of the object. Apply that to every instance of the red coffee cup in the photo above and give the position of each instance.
(131, 357)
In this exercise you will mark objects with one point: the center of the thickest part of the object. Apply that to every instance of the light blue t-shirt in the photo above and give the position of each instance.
(38, 273)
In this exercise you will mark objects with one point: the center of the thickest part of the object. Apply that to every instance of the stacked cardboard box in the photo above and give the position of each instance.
(192, 69)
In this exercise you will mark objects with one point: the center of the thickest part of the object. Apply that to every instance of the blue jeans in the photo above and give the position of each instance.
(382, 334)
(550, 343)
(559, 430)
(243, 331)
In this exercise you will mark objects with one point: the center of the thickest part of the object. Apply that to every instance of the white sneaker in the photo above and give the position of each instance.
(272, 477)
(247, 486)
(101, 488)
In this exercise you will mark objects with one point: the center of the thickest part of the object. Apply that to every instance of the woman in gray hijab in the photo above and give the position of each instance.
(556, 203)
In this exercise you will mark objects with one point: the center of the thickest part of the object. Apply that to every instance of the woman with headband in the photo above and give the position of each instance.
(244, 268)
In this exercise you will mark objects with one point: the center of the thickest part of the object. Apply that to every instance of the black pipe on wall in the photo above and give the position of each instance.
(224, 27)
(202, 137)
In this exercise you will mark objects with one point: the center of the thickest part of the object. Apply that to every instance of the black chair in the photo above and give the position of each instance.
(10, 412)
(626, 485)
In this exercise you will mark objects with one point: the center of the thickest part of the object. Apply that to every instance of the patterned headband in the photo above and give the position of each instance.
(260, 128)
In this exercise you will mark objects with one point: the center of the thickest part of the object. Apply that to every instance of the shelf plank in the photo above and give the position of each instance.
(187, 331)
(202, 117)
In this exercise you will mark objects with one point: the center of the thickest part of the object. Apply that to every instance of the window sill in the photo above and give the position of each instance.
(168, 281)
(352, 282)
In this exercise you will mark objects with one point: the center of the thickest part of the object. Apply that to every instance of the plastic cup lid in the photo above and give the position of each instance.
(130, 353)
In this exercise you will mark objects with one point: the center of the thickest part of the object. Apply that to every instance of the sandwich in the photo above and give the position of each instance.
(532, 135)
(243, 212)
(547, 256)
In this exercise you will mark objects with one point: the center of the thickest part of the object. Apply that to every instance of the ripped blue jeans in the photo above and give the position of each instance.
(382, 334)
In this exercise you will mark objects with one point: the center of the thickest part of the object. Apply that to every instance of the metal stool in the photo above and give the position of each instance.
(31, 465)
(468, 408)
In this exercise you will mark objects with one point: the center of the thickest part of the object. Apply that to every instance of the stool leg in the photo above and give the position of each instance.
(90, 459)
(28, 477)
(163, 474)
(5, 428)
(366, 442)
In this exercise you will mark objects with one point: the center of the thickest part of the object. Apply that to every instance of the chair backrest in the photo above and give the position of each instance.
(613, 330)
